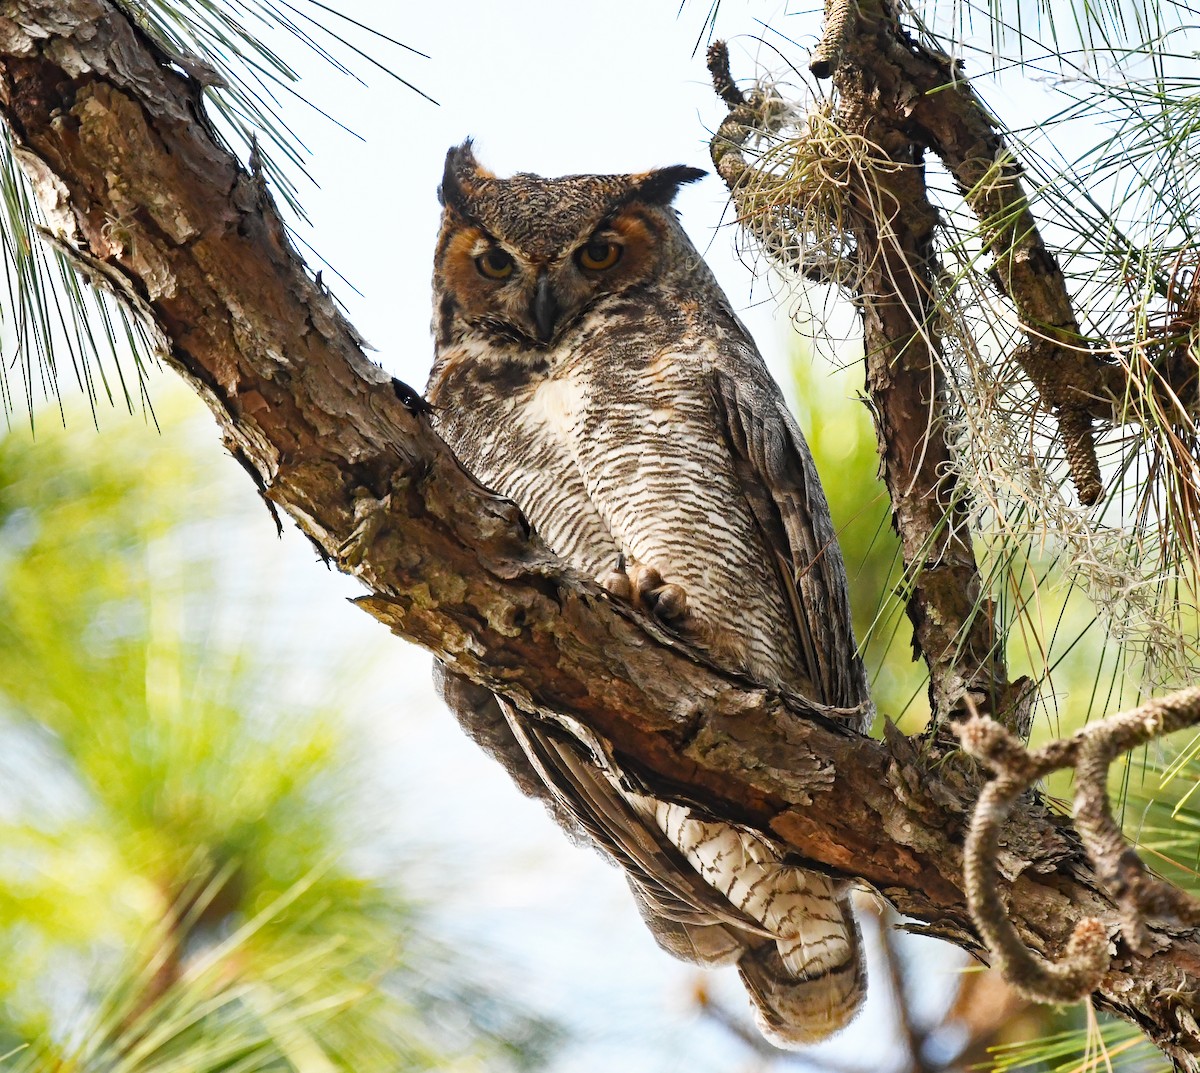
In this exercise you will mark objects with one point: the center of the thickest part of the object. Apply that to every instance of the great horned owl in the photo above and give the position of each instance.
(590, 368)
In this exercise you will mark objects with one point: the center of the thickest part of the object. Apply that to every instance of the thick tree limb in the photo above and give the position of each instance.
(941, 111)
(106, 132)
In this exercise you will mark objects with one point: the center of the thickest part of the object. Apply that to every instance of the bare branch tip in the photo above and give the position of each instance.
(722, 79)
(828, 53)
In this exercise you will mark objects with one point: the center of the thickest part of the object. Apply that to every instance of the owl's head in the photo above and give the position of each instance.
(521, 260)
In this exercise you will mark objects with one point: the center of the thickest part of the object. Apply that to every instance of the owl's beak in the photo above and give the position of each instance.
(545, 309)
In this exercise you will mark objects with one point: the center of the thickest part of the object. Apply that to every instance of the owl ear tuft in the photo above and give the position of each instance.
(460, 171)
(660, 187)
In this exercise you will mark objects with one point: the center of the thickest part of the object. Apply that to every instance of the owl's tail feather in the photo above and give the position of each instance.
(795, 1010)
(700, 940)
(710, 892)
(803, 988)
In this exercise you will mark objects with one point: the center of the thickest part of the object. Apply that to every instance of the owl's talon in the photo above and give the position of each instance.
(617, 583)
(670, 602)
(665, 601)
(645, 579)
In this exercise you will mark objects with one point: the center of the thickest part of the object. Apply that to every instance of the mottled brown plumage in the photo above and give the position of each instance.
(589, 367)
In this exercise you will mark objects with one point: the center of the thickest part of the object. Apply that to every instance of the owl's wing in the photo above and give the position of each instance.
(478, 713)
(666, 882)
(555, 767)
(783, 490)
(804, 976)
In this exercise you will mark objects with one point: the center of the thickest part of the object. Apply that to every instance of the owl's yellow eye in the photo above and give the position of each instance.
(598, 255)
(495, 264)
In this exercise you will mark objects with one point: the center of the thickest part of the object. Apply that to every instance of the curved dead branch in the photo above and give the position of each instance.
(1138, 894)
(1083, 964)
(750, 115)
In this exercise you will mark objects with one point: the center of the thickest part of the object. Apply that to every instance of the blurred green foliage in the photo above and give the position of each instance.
(1111, 1046)
(1053, 632)
(175, 826)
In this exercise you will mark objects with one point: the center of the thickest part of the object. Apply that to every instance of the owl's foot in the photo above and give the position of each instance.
(616, 583)
(643, 586)
(662, 599)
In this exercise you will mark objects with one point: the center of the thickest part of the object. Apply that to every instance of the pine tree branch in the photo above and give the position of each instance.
(899, 101)
(105, 131)
(944, 113)
(921, 94)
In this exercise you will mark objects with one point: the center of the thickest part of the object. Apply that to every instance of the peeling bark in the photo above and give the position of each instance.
(920, 97)
(906, 384)
(109, 133)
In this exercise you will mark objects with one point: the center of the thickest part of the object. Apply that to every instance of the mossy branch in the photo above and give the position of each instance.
(874, 194)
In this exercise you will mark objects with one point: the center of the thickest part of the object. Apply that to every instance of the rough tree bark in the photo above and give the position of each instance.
(110, 133)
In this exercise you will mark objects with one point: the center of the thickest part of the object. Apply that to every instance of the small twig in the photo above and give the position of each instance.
(736, 128)
(750, 114)
(828, 53)
(1135, 891)
(914, 1037)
